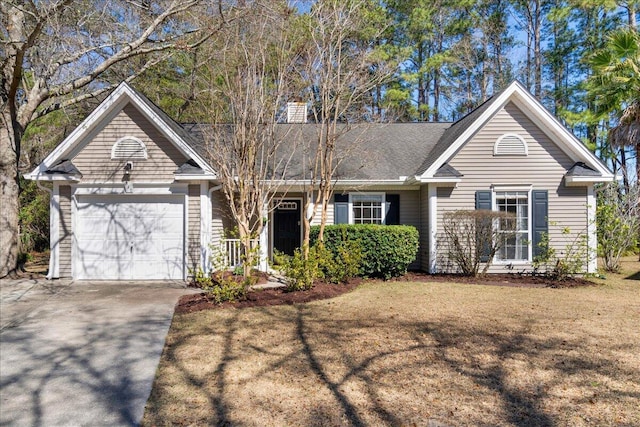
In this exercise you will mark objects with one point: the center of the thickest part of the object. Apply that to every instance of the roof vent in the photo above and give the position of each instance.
(129, 148)
(510, 144)
(296, 112)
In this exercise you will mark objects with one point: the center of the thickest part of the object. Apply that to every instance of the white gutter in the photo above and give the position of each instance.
(576, 181)
(195, 177)
(49, 177)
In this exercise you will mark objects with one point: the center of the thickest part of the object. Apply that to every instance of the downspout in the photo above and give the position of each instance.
(49, 275)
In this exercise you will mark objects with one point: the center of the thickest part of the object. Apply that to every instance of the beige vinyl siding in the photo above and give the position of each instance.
(410, 215)
(94, 159)
(221, 221)
(423, 255)
(318, 217)
(193, 230)
(65, 232)
(543, 168)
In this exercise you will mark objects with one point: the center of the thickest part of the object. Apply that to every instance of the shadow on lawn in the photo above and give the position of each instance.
(634, 276)
(479, 363)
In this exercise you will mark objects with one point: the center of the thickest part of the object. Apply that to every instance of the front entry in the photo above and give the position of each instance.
(286, 226)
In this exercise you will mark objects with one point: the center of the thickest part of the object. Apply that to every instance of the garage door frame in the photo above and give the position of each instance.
(174, 190)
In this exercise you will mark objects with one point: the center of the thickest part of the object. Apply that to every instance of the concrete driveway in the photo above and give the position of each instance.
(80, 353)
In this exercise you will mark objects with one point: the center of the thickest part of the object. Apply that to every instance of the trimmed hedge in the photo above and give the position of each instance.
(387, 250)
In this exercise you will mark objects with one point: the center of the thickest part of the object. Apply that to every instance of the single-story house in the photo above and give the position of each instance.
(134, 198)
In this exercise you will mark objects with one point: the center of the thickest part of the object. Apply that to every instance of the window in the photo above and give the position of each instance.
(367, 208)
(514, 248)
(129, 148)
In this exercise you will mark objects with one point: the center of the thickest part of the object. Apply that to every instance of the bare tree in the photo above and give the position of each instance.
(471, 238)
(339, 76)
(57, 53)
(248, 73)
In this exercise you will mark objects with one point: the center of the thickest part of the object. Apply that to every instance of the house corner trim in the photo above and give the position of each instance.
(592, 239)
(433, 227)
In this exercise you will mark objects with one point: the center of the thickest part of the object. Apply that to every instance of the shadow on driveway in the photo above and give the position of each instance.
(83, 353)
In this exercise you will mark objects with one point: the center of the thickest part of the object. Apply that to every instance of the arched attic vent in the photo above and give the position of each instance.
(510, 144)
(129, 148)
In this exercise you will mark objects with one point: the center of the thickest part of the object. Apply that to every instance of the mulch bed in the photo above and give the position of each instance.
(266, 297)
(322, 290)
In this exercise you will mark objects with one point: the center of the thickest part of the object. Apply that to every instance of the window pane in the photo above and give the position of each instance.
(515, 247)
(367, 209)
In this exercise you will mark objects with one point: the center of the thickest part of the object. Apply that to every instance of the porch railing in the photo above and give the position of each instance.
(233, 250)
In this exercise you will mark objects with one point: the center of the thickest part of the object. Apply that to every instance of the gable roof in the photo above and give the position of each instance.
(116, 101)
(384, 153)
(463, 130)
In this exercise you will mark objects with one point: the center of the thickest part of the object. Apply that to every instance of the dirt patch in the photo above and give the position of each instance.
(321, 290)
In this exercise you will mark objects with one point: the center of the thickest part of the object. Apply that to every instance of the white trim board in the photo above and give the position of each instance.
(536, 112)
(104, 113)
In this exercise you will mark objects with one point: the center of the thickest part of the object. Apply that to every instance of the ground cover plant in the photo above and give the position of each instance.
(411, 353)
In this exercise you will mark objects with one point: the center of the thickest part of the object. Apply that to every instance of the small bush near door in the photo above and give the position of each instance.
(386, 250)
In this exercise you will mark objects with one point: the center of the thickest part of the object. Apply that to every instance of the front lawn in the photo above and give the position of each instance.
(403, 353)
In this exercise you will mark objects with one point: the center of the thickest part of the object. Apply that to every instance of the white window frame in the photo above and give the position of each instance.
(495, 190)
(384, 205)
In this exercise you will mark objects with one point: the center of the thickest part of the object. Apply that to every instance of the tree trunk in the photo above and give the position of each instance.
(538, 50)
(9, 191)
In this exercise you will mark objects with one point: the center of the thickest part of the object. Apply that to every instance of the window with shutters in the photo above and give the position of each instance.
(128, 148)
(510, 144)
(515, 247)
(366, 208)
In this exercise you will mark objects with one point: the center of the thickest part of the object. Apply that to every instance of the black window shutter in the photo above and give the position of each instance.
(393, 214)
(483, 201)
(540, 214)
(341, 209)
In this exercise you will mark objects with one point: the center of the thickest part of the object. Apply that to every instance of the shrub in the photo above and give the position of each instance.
(342, 265)
(618, 222)
(568, 262)
(300, 273)
(223, 286)
(385, 250)
(473, 237)
(33, 217)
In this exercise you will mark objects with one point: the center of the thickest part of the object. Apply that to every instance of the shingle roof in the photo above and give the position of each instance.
(369, 151)
(189, 168)
(64, 167)
(447, 170)
(581, 169)
(454, 132)
(380, 151)
(175, 126)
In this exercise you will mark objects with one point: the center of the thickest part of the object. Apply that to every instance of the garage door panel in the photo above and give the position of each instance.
(130, 237)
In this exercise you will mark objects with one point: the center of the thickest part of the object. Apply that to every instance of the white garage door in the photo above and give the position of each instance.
(129, 237)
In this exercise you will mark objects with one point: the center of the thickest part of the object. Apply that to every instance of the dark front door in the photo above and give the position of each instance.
(286, 226)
